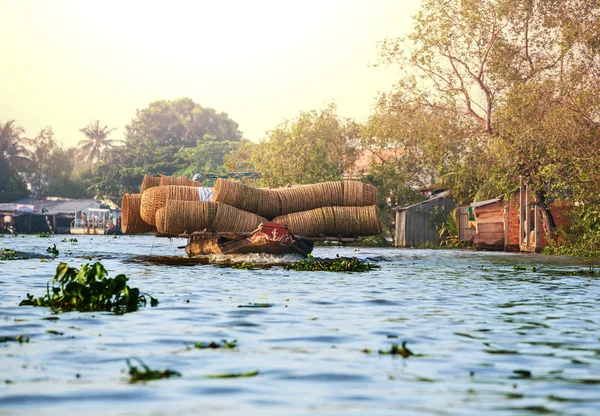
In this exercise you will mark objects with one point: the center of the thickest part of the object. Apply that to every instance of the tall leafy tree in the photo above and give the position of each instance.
(318, 145)
(13, 159)
(96, 140)
(516, 72)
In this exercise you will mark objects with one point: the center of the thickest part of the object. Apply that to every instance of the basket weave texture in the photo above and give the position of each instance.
(131, 222)
(334, 221)
(271, 203)
(155, 198)
(149, 181)
(178, 217)
(165, 180)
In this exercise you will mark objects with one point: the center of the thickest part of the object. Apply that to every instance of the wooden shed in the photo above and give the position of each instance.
(419, 224)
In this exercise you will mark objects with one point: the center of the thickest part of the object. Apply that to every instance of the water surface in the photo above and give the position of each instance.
(489, 339)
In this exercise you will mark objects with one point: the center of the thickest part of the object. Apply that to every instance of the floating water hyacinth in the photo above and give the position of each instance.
(89, 289)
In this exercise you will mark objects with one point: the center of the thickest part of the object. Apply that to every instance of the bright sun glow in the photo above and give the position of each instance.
(262, 61)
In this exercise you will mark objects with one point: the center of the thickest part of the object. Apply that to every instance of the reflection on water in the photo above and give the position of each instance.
(488, 338)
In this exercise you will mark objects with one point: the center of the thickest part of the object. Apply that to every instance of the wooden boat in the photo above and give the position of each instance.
(268, 238)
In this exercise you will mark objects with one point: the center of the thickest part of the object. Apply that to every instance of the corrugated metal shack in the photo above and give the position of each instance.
(418, 224)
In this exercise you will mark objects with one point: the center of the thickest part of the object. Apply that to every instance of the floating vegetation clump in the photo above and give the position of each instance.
(257, 305)
(89, 289)
(396, 350)
(518, 268)
(338, 264)
(45, 234)
(216, 345)
(53, 251)
(233, 375)
(243, 266)
(146, 373)
(9, 254)
(19, 338)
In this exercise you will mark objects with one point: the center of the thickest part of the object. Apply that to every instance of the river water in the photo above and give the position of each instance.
(487, 339)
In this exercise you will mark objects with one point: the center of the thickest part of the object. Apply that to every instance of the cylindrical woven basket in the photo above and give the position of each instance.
(157, 197)
(161, 224)
(334, 221)
(149, 181)
(131, 222)
(179, 181)
(231, 219)
(236, 195)
(269, 204)
(186, 216)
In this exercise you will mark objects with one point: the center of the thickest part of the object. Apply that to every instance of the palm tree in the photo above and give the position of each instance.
(96, 140)
(13, 148)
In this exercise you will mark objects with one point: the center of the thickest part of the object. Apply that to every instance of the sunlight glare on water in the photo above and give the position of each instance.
(487, 339)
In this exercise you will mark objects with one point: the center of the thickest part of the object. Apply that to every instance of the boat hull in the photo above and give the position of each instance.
(268, 238)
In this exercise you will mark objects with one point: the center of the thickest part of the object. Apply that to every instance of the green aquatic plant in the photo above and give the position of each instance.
(243, 266)
(396, 350)
(146, 373)
(233, 375)
(10, 254)
(518, 268)
(338, 264)
(257, 305)
(19, 338)
(216, 345)
(44, 235)
(53, 251)
(89, 289)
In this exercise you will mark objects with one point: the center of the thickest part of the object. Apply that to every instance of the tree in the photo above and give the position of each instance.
(96, 140)
(42, 148)
(316, 146)
(13, 158)
(181, 123)
(516, 72)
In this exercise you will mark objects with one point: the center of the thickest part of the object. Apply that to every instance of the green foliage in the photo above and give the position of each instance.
(314, 147)
(398, 350)
(147, 374)
(338, 264)
(224, 344)
(96, 140)
(449, 232)
(53, 251)
(582, 237)
(19, 338)
(13, 158)
(88, 289)
(9, 254)
(243, 266)
(176, 137)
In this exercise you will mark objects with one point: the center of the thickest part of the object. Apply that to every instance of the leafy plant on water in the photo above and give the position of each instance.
(217, 345)
(89, 289)
(518, 268)
(53, 251)
(146, 373)
(44, 235)
(339, 264)
(243, 266)
(19, 338)
(10, 254)
(398, 350)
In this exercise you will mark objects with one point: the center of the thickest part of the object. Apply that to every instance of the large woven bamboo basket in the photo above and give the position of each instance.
(236, 195)
(231, 219)
(179, 181)
(269, 204)
(337, 221)
(149, 181)
(155, 198)
(131, 222)
(180, 217)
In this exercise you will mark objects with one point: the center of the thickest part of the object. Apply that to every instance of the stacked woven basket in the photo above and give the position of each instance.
(172, 206)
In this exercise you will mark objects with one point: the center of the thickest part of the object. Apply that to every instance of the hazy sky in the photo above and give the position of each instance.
(68, 62)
